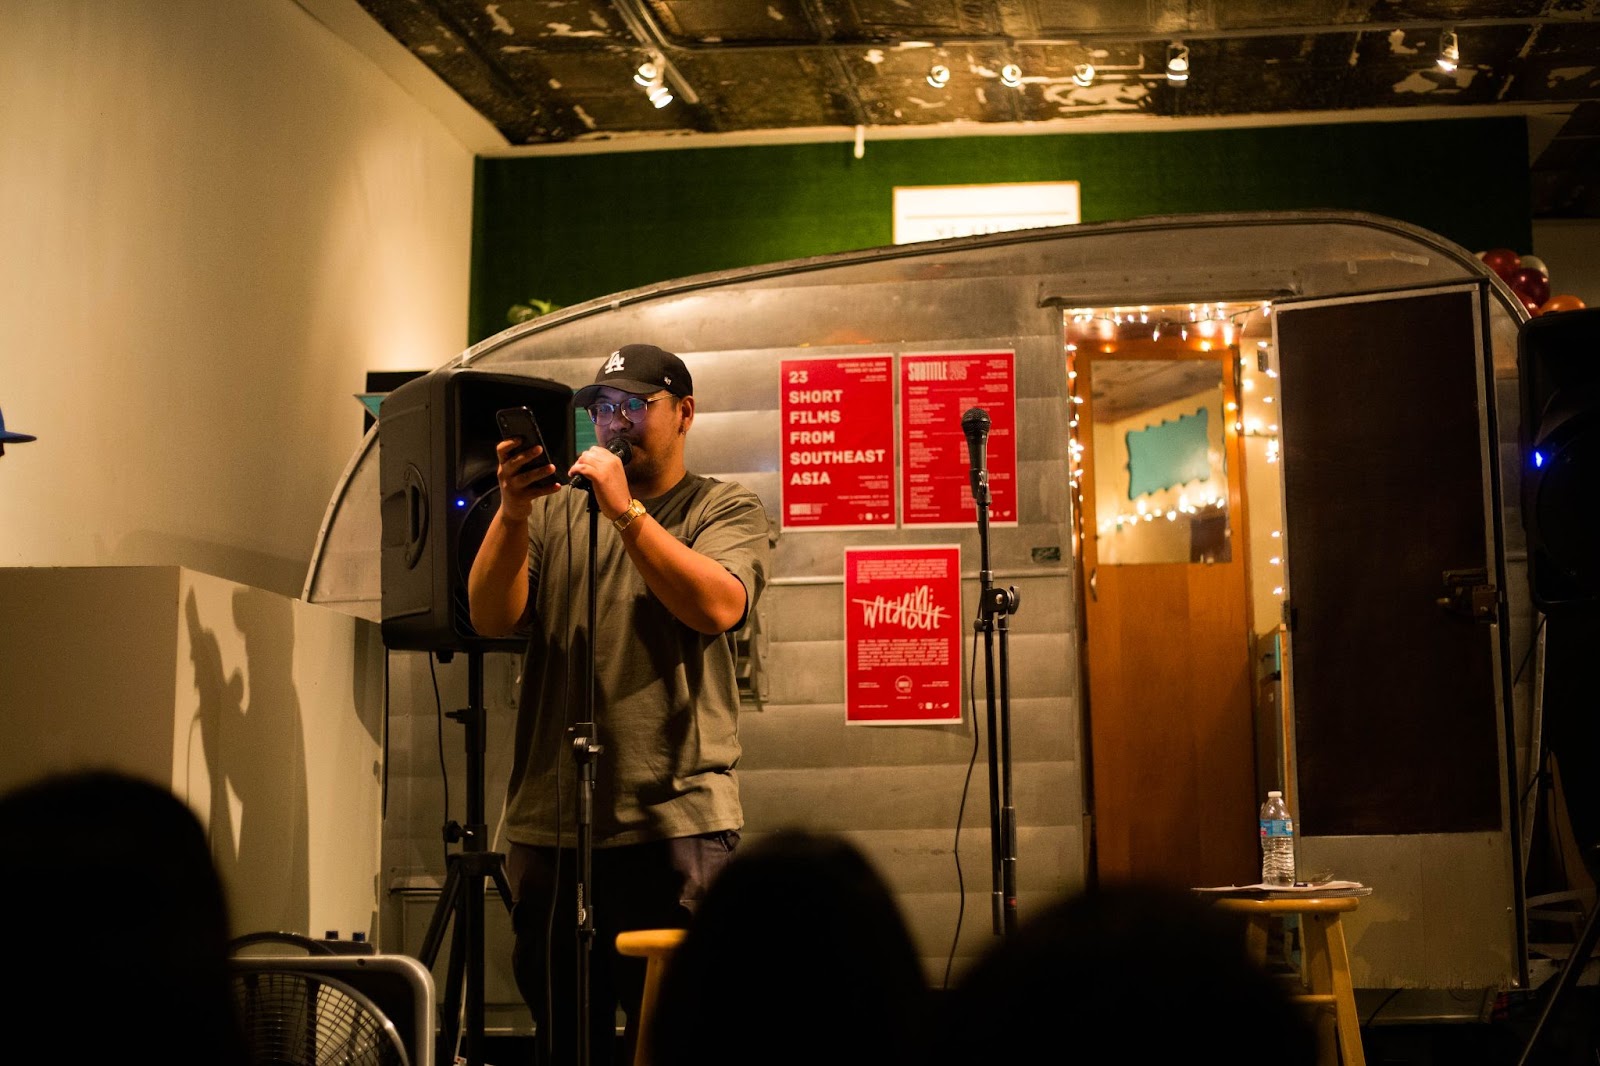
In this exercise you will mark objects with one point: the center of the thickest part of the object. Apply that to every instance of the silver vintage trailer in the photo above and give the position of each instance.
(1332, 602)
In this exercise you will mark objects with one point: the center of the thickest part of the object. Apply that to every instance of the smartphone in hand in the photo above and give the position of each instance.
(519, 423)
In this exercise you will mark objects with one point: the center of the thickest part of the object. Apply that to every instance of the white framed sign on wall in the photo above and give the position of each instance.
(934, 212)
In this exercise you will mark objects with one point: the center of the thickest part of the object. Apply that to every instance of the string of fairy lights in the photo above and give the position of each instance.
(1252, 410)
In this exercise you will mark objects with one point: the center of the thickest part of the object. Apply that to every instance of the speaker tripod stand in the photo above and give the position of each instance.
(1571, 724)
(460, 904)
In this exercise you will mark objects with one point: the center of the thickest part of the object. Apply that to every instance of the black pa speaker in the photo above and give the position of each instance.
(436, 476)
(1558, 368)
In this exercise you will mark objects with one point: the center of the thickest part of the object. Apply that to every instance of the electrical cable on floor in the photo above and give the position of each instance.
(1393, 992)
(966, 786)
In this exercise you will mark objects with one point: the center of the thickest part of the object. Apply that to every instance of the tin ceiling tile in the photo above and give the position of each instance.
(546, 71)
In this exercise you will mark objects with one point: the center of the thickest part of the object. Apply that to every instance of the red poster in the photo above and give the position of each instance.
(902, 634)
(935, 469)
(838, 442)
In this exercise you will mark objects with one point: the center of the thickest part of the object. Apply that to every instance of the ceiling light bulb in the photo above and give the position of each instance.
(660, 95)
(1177, 63)
(938, 75)
(1083, 75)
(647, 74)
(1011, 75)
(1449, 52)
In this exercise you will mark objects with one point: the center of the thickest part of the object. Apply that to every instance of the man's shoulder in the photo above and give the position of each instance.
(712, 499)
(698, 489)
(704, 485)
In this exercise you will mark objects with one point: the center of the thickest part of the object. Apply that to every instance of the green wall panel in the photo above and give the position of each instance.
(571, 228)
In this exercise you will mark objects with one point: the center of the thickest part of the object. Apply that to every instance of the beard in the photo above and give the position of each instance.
(644, 467)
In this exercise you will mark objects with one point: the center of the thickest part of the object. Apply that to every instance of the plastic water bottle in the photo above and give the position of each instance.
(1277, 841)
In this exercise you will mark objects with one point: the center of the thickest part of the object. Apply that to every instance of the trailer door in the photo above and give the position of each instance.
(1396, 661)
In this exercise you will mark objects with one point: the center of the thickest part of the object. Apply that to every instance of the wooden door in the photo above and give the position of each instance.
(1167, 628)
(1389, 511)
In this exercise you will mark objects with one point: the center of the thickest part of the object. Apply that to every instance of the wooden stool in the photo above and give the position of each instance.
(1324, 965)
(654, 945)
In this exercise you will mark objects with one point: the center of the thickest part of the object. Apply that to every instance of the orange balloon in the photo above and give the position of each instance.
(1561, 302)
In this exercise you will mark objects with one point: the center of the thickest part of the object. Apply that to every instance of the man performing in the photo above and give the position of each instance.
(680, 563)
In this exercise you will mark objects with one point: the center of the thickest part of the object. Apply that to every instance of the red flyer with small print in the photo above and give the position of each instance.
(902, 634)
(936, 391)
(838, 442)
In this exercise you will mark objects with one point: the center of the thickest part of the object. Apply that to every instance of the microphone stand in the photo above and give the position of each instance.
(585, 747)
(995, 605)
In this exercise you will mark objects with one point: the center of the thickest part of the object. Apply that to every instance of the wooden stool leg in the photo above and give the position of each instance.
(1319, 981)
(1328, 966)
(1256, 934)
(1344, 993)
(647, 1008)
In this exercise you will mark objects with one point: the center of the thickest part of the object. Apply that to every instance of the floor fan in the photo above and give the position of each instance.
(292, 1017)
(314, 1007)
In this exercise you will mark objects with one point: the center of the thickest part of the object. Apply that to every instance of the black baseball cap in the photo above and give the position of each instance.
(640, 369)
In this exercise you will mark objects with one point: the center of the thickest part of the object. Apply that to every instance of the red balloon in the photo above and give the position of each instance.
(1502, 261)
(1531, 305)
(1563, 302)
(1530, 284)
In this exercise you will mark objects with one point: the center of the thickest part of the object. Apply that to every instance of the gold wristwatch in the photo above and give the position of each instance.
(625, 519)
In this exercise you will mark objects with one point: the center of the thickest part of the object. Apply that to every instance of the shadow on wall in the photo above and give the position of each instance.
(248, 732)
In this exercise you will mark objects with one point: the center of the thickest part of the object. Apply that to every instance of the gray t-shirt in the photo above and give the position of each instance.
(666, 698)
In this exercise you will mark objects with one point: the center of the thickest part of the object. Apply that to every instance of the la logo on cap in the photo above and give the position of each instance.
(613, 364)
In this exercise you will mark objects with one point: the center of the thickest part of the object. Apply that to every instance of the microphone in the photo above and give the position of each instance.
(975, 424)
(619, 447)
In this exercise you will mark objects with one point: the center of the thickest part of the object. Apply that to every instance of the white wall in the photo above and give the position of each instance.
(215, 219)
(263, 712)
(1571, 249)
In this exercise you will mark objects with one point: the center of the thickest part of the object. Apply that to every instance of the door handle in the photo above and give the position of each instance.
(1469, 594)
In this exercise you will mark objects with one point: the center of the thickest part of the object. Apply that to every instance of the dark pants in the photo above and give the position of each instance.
(637, 886)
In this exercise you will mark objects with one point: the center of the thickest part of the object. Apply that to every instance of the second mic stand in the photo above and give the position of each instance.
(585, 748)
(995, 606)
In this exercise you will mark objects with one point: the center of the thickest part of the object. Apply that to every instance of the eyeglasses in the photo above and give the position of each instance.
(633, 409)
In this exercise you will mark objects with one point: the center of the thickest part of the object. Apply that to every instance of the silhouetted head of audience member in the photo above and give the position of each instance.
(798, 953)
(121, 924)
(1151, 973)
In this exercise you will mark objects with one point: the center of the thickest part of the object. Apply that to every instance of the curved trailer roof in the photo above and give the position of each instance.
(929, 293)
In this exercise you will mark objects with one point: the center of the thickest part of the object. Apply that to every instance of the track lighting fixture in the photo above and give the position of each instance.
(652, 76)
(938, 75)
(1083, 75)
(1449, 52)
(1177, 63)
(1011, 75)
